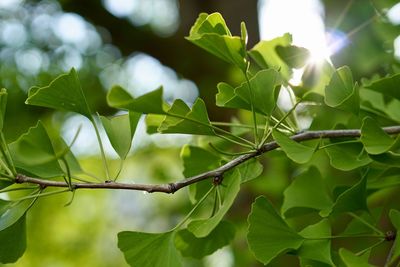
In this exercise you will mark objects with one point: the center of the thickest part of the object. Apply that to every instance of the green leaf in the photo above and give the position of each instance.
(149, 249)
(375, 140)
(389, 158)
(297, 152)
(11, 212)
(13, 241)
(263, 88)
(197, 160)
(150, 103)
(120, 130)
(352, 260)
(63, 93)
(341, 92)
(388, 86)
(182, 119)
(316, 77)
(227, 98)
(3, 105)
(264, 54)
(203, 227)
(306, 193)
(318, 250)
(250, 170)
(211, 33)
(394, 216)
(294, 56)
(191, 246)
(34, 153)
(347, 157)
(352, 199)
(269, 235)
(153, 121)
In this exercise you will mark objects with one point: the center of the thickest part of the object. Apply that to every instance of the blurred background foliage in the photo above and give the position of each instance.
(140, 45)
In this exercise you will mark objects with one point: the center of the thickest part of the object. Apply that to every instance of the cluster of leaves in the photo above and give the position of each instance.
(328, 96)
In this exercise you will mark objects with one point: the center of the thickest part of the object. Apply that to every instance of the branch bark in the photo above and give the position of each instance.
(218, 172)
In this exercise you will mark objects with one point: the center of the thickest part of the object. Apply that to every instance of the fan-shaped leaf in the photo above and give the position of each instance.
(63, 93)
(211, 33)
(319, 249)
(203, 227)
(120, 130)
(294, 56)
(34, 153)
(375, 140)
(150, 103)
(306, 193)
(388, 86)
(269, 235)
(263, 89)
(13, 241)
(297, 152)
(191, 246)
(182, 119)
(149, 249)
(264, 53)
(341, 92)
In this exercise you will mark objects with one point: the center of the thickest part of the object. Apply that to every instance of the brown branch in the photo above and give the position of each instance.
(218, 172)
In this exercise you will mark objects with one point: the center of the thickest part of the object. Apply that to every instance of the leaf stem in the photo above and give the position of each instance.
(6, 154)
(103, 155)
(40, 194)
(370, 247)
(194, 208)
(279, 122)
(340, 143)
(229, 153)
(361, 220)
(214, 128)
(251, 104)
(347, 236)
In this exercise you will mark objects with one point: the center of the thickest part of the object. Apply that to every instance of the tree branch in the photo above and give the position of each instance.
(218, 172)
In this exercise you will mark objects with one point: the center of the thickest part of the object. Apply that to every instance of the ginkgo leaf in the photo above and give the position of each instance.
(227, 98)
(375, 140)
(34, 153)
(394, 216)
(262, 91)
(150, 103)
(13, 241)
(300, 197)
(120, 130)
(182, 119)
(63, 93)
(388, 86)
(341, 92)
(203, 227)
(139, 249)
(347, 157)
(265, 55)
(294, 56)
(352, 260)
(269, 235)
(191, 246)
(297, 152)
(352, 199)
(211, 33)
(320, 248)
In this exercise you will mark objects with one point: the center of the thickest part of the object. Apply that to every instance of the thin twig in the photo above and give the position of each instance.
(173, 187)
